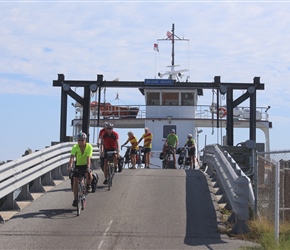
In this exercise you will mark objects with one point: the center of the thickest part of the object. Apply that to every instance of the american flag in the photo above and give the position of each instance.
(156, 47)
(169, 35)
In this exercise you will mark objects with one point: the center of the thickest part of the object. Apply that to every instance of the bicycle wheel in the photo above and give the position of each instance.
(109, 176)
(112, 173)
(84, 193)
(164, 164)
(139, 164)
(127, 165)
(83, 203)
(79, 199)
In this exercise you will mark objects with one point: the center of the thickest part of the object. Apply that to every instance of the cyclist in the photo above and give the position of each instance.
(147, 136)
(171, 141)
(101, 133)
(190, 143)
(134, 147)
(110, 142)
(83, 152)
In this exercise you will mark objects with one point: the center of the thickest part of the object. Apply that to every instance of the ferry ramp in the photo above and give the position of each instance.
(145, 209)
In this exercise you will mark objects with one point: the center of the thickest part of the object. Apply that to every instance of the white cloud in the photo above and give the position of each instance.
(234, 40)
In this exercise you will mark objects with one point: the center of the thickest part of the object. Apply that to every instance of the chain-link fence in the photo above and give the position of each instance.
(273, 186)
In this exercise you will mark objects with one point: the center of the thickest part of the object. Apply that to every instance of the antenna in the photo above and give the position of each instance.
(172, 73)
(172, 37)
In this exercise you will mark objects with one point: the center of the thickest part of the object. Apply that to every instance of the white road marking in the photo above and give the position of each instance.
(104, 234)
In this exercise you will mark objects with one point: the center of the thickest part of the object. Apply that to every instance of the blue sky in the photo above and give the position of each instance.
(39, 39)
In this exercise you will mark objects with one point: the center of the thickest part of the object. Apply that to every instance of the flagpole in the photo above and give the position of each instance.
(155, 67)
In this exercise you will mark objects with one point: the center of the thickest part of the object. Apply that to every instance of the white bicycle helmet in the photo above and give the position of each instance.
(110, 125)
(82, 135)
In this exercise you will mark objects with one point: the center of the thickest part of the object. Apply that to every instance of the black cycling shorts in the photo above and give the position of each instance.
(191, 151)
(82, 171)
(147, 150)
(105, 153)
(133, 152)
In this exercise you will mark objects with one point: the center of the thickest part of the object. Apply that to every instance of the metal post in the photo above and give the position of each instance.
(255, 166)
(277, 199)
(63, 115)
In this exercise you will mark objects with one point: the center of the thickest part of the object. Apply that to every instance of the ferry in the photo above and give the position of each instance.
(171, 102)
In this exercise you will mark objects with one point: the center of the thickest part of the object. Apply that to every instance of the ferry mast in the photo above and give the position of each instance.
(171, 36)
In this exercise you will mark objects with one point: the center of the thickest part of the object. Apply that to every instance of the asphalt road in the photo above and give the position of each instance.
(145, 209)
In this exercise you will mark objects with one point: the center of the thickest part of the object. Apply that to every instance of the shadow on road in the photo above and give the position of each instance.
(49, 214)
(201, 219)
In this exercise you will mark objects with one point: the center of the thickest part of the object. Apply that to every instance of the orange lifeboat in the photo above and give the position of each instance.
(106, 109)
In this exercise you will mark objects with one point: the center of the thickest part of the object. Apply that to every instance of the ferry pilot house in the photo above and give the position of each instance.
(170, 98)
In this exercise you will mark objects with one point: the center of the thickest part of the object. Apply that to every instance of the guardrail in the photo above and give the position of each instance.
(32, 172)
(201, 112)
(235, 185)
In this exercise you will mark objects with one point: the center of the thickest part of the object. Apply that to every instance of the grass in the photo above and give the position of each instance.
(263, 233)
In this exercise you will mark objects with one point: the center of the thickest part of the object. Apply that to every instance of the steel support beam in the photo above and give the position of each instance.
(223, 88)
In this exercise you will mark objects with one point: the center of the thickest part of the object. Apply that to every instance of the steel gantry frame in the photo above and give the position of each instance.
(220, 87)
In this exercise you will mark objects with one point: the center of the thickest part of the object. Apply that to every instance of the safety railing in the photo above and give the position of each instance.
(201, 112)
(32, 172)
(235, 185)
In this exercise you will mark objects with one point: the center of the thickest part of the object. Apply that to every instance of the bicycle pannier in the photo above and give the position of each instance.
(180, 160)
(120, 163)
(94, 182)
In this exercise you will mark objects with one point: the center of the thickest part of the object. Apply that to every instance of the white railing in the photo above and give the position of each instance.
(201, 112)
(235, 185)
(32, 172)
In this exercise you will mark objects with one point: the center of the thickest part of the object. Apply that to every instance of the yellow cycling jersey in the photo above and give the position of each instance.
(133, 140)
(81, 158)
(147, 140)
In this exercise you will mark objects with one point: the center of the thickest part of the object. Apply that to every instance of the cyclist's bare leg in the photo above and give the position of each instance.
(191, 161)
(174, 160)
(106, 169)
(133, 159)
(115, 160)
(147, 159)
(89, 177)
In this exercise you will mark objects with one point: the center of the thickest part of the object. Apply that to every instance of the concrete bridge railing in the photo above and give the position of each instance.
(32, 172)
(235, 185)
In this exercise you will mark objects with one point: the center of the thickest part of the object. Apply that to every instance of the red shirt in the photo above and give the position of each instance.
(110, 141)
(101, 133)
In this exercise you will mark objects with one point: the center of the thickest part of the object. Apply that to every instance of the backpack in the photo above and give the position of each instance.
(94, 182)
(120, 163)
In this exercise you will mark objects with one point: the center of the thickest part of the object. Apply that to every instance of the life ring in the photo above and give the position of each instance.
(222, 112)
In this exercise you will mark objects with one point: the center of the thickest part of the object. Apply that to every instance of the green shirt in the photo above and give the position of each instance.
(82, 157)
(172, 139)
(190, 142)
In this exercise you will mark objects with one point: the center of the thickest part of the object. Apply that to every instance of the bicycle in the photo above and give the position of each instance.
(127, 158)
(82, 191)
(169, 150)
(111, 167)
(139, 157)
(184, 160)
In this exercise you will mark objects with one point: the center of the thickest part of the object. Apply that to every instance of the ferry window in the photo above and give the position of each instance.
(167, 130)
(153, 98)
(187, 99)
(170, 98)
